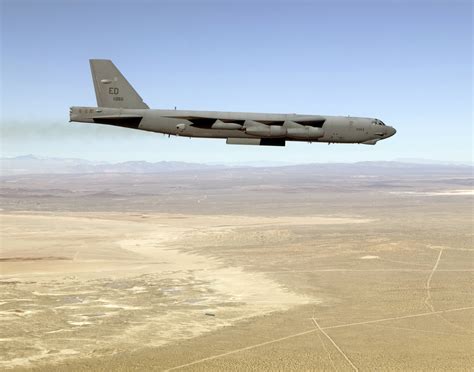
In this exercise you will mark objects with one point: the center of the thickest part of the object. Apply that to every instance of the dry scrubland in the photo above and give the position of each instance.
(346, 267)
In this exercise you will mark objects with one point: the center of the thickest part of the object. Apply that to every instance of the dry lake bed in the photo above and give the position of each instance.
(320, 267)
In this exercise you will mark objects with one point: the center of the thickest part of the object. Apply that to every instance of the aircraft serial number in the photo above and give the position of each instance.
(118, 98)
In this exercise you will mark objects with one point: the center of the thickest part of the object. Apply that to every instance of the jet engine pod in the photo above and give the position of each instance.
(305, 132)
(180, 128)
(219, 124)
(268, 131)
(254, 128)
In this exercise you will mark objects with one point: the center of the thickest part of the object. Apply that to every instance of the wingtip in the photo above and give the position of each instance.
(99, 59)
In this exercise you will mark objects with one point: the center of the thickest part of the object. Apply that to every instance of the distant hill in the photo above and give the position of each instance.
(30, 164)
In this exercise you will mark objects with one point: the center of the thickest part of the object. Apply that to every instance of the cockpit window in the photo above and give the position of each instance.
(378, 122)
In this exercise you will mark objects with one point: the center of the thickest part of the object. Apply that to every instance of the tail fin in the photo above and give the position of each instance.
(111, 88)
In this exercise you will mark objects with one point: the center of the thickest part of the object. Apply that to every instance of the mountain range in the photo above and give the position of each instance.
(30, 164)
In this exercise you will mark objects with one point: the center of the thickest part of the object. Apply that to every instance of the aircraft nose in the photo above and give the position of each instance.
(391, 131)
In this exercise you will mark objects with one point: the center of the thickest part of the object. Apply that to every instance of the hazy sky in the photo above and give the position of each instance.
(407, 63)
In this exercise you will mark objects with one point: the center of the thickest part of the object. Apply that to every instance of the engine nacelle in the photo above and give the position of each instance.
(266, 131)
(305, 132)
(181, 127)
(222, 125)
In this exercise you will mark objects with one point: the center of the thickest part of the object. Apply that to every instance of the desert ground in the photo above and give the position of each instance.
(326, 267)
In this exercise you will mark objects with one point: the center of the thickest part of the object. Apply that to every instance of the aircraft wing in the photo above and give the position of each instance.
(311, 122)
(127, 121)
(209, 122)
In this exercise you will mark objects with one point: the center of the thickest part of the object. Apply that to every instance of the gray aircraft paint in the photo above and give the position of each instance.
(119, 104)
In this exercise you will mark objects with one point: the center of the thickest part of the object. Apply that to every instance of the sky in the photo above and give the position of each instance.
(408, 63)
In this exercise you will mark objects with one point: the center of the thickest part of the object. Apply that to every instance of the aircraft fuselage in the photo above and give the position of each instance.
(120, 105)
(243, 126)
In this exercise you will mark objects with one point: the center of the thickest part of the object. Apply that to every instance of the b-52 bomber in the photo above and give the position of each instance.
(120, 105)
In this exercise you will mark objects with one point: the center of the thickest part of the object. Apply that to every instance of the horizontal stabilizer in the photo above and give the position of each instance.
(127, 121)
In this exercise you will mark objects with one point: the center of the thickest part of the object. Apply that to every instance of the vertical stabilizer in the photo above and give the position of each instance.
(111, 88)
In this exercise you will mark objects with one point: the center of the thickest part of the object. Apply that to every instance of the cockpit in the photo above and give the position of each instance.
(378, 122)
